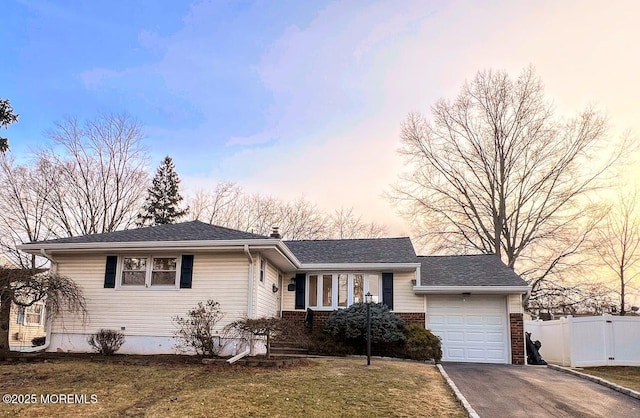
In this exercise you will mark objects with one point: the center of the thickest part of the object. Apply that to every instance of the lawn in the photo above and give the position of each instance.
(628, 377)
(328, 387)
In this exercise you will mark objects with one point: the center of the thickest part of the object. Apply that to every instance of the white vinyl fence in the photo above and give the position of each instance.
(588, 341)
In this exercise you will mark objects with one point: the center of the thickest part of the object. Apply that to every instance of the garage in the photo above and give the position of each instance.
(473, 328)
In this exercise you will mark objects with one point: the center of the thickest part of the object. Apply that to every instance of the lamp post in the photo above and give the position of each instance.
(368, 298)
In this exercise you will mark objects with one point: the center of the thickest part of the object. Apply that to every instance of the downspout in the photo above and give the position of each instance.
(250, 297)
(47, 341)
(250, 300)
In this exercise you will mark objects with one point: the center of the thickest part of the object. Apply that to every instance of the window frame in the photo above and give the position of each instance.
(23, 313)
(148, 272)
(263, 270)
(335, 275)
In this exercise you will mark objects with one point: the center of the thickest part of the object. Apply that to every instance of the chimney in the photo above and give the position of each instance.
(275, 233)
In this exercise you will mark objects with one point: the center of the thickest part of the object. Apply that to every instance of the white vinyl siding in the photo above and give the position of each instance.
(515, 303)
(221, 277)
(268, 302)
(404, 300)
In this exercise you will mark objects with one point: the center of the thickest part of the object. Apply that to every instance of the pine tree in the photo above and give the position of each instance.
(161, 206)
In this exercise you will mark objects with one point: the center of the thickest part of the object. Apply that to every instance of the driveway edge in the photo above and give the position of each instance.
(598, 380)
(465, 404)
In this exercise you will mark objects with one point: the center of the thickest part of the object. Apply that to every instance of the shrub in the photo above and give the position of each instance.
(324, 343)
(106, 341)
(38, 341)
(196, 330)
(422, 344)
(350, 325)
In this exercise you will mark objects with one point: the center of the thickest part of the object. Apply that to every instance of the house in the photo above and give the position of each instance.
(25, 323)
(137, 280)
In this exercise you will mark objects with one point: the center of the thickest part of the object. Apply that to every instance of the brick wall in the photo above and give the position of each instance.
(412, 317)
(517, 338)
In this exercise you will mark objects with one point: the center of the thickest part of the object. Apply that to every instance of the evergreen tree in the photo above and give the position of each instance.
(161, 206)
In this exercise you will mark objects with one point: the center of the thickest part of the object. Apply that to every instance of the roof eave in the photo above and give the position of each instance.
(444, 290)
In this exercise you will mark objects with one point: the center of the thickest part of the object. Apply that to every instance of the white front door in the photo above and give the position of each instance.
(473, 329)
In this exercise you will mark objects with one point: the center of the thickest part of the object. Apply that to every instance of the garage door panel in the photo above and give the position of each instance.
(495, 337)
(475, 320)
(472, 329)
(454, 320)
(475, 337)
(495, 320)
(454, 337)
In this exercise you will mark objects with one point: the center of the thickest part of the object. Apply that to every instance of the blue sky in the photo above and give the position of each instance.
(300, 97)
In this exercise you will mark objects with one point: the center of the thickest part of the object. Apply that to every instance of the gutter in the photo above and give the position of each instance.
(145, 245)
(447, 290)
(360, 266)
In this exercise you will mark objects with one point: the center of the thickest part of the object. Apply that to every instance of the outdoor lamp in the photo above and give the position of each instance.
(368, 298)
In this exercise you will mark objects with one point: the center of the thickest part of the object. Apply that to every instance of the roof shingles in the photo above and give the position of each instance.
(185, 231)
(467, 270)
(340, 251)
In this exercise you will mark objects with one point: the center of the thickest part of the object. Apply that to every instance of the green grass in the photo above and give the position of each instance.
(628, 377)
(317, 388)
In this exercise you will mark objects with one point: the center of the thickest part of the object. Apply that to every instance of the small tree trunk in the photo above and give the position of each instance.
(622, 311)
(5, 315)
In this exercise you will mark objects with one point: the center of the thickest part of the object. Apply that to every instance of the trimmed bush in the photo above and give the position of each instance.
(106, 341)
(350, 325)
(422, 344)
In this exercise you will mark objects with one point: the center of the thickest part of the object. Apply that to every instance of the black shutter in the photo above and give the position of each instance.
(110, 272)
(300, 289)
(186, 271)
(387, 289)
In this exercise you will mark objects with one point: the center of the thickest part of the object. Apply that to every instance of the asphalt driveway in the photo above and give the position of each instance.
(535, 391)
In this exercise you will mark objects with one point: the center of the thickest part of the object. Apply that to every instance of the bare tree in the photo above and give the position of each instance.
(24, 287)
(23, 209)
(100, 171)
(228, 205)
(215, 207)
(345, 223)
(495, 172)
(618, 244)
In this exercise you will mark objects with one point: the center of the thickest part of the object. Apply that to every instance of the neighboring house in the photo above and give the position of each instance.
(137, 280)
(25, 323)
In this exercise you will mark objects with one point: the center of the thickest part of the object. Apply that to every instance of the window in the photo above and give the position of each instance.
(145, 272)
(262, 270)
(30, 315)
(339, 290)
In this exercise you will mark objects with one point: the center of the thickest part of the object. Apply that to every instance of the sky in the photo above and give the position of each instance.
(293, 98)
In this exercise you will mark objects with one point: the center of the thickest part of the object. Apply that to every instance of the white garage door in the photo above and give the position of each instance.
(473, 329)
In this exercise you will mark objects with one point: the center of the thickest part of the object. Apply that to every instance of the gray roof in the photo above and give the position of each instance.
(467, 270)
(378, 250)
(185, 231)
